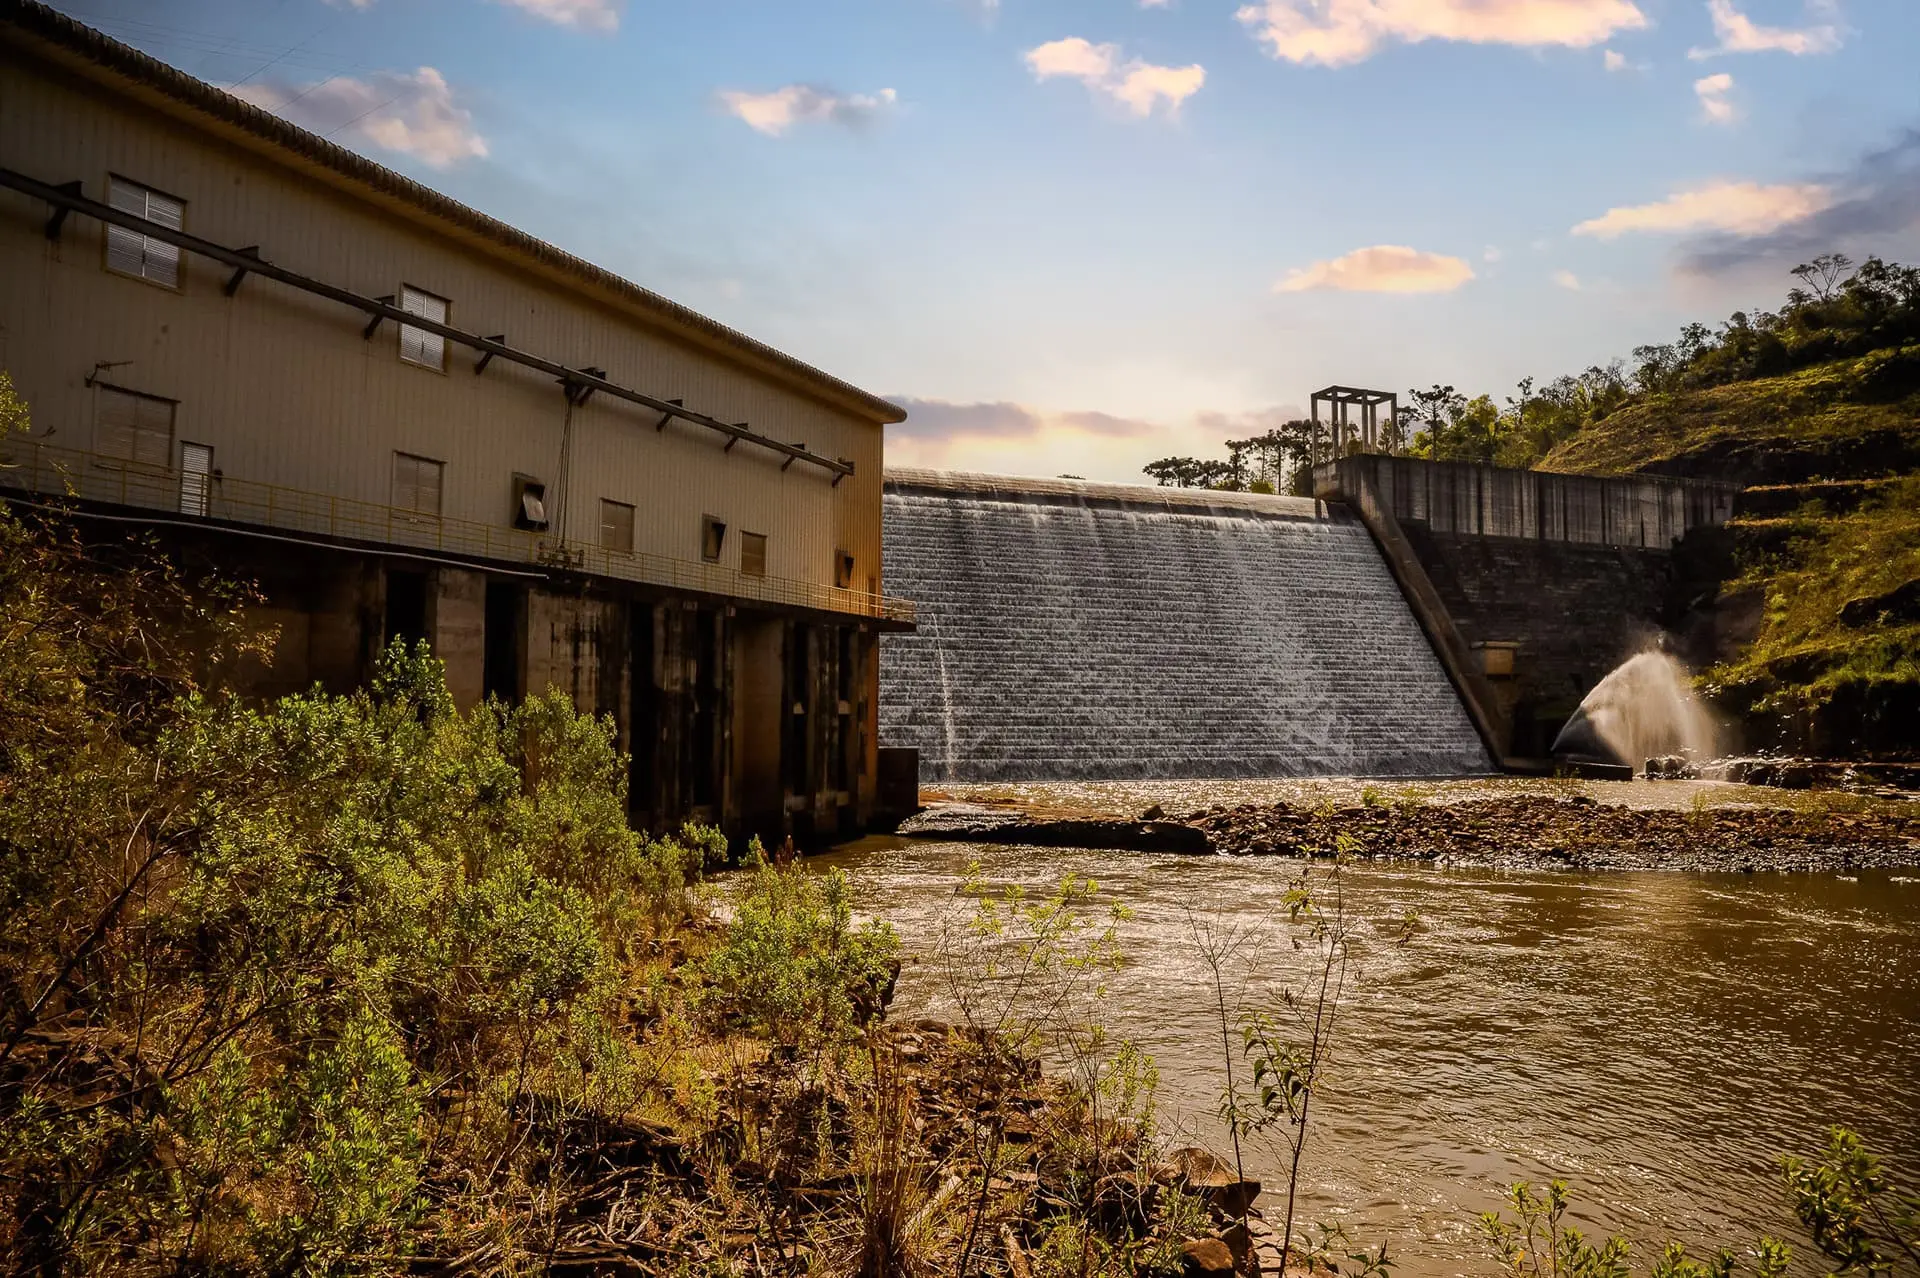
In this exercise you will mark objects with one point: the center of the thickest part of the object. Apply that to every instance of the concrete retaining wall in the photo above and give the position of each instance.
(1646, 511)
(1532, 586)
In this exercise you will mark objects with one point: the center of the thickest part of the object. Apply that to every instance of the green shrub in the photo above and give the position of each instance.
(252, 951)
(794, 967)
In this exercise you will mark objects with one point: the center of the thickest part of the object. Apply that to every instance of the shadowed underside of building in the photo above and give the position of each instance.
(1069, 630)
(404, 419)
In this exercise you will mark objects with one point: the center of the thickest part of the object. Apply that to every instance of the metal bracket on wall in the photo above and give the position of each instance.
(60, 211)
(374, 323)
(577, 391)
(240, 272)
(68, 199)
(666, 417)
(486, 357)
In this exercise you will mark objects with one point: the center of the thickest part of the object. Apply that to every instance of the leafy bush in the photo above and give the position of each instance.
(794, 967)
(262, 962)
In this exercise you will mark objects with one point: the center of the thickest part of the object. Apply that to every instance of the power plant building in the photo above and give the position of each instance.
(402, 417)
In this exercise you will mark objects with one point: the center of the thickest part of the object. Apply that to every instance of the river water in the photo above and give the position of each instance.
(1657, 1040)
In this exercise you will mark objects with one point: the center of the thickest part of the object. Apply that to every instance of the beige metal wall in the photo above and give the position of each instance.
(285, 390)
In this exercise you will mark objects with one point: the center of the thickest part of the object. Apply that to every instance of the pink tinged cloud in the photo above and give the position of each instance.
(1739, 208)
(1338, 33)
(775, 112)
(413, 115)
(1136, 84)
(1384, 268)
(1740, 34)
(1714, 103)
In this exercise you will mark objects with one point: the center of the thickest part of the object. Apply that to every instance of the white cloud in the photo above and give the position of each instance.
(1135, 84)
(1384, 268)
(776, 112)
(1614, 61)
(413, 114)
(1490, 254)
(1340, 32)
(589, 15)
(1741, 208)
(1567, 280)
(1740, 34)
(1712, 91)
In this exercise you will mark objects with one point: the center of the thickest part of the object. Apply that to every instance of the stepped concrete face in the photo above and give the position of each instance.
(1076, 631)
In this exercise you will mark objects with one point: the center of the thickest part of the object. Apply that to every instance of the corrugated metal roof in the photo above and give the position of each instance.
(95, 51)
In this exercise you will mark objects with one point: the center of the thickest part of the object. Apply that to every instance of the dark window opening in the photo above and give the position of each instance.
(501, 659)
(529, 503)
(795, 701)
(706, 699)
(406, 606)
(713, 538)
(844, 738)
(643, 762)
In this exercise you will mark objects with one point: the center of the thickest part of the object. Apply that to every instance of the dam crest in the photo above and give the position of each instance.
(1076, 631)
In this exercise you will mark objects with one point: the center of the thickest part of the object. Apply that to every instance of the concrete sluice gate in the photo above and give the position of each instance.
(1077, 631)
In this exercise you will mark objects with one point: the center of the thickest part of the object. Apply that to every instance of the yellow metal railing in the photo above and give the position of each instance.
(36, 467)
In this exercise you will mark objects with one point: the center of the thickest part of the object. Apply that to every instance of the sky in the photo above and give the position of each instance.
(1071, 236)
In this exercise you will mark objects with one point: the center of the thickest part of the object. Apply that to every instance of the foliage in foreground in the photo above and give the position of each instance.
(268, 968)
(1845, 1203)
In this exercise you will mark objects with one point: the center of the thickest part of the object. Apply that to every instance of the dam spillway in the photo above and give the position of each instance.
(1078, 631)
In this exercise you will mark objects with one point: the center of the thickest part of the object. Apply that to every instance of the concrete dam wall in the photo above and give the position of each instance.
(1076, 631)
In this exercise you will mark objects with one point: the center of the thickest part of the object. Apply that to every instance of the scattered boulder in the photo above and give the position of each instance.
(1215, 1182)
(1203, 1257)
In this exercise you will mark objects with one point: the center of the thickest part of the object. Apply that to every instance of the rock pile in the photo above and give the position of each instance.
(1535, 832)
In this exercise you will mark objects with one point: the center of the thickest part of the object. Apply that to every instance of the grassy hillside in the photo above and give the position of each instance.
(1829, 533)
(1847, 419)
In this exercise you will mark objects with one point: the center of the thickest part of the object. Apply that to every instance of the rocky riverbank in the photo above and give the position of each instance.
(1574, 833)
(1510, 832)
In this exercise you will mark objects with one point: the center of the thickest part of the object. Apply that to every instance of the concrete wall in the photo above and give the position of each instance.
(1646, 511)
(1534, 585)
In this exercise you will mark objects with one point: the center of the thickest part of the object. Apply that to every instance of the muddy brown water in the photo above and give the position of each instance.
(1656, 1039)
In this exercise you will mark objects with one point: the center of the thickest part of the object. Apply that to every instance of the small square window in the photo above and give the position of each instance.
(417, 345)
(753, 554)
(135, 428)
(713, 538)
(417, 483)
(141, 256)
(616, 526)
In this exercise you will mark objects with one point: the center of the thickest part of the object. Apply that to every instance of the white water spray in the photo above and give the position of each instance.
(1644, 709)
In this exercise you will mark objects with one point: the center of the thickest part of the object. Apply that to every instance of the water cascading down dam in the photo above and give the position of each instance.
(1079, 631)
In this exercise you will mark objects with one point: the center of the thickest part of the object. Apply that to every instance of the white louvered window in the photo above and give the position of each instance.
(417, 345)
(131, 253)
(196, 478)
(133, 428)
(416, 483)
